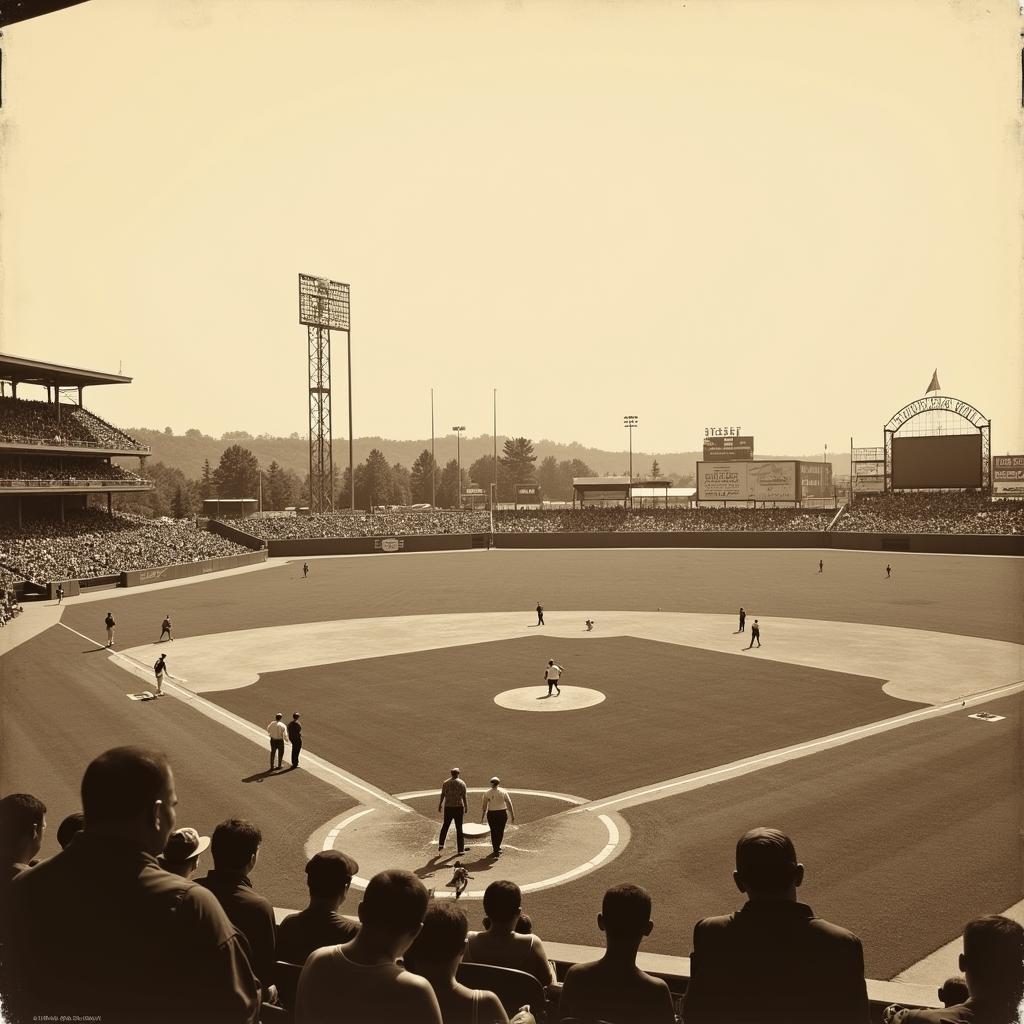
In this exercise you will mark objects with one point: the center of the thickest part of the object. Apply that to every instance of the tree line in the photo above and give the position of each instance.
(238, 474)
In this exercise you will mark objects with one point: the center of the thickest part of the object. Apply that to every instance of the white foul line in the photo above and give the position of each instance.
(252, 732)
(685, 783)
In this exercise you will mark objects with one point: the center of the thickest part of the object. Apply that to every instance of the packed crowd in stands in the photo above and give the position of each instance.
(119, 926)
(365, 524)
(25, 421)
(10, 606)
(660, 520)
(92, 543)
(940, 512)
(70, 468)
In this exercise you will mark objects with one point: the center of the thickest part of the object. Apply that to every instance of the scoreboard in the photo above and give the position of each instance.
(728, 449)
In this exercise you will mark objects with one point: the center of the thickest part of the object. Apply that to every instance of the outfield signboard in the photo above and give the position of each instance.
(1008, 474)
(728, 449)
(747, 481)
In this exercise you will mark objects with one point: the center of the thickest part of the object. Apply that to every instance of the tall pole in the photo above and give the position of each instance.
(351, 466)
(494, 493)
(630, 422)
(433, 464)
(458, 462)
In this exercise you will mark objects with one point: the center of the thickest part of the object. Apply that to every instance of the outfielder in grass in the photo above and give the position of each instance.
(552, 674)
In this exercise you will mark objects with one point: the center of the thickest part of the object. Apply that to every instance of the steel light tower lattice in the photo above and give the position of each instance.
(323, 307)
(458, 463)
(630, 422)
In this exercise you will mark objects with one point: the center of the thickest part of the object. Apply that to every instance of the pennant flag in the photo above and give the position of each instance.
(934, 386)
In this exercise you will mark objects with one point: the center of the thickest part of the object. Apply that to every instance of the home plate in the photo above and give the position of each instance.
(535, 698)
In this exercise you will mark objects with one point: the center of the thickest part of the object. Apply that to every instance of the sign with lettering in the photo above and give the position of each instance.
(730, 448)
(1008, 474)
(721, 431)
(935, 403)
(746, 481)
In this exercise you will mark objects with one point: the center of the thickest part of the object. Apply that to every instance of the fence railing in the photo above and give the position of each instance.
(67, 442)
(76, 483)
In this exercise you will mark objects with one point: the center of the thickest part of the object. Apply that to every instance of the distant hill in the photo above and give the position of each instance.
(187, 452)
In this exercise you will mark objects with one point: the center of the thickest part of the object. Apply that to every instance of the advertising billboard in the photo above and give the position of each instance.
(728, 449)
(527, 494)
(1008, 474)
(746, 481)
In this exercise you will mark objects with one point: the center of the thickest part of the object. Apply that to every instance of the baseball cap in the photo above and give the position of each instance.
(495, 780)
(183, 844)
(331, 868)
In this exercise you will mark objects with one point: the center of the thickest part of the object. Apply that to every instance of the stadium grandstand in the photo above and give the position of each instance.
(56, 455)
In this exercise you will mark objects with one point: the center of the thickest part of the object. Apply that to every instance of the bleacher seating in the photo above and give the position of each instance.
(24, 421)
(92, 543)
(950, 512)
(656, 520)
(66, 469)
(365, 524)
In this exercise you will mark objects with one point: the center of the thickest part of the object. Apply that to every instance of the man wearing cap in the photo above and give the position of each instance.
(182, 852)
(454, 803)
(328, 875)
(277, 731)
(496, 809)
(773, 959)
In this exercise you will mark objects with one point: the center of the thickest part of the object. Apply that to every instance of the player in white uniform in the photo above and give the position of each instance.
(551, 676)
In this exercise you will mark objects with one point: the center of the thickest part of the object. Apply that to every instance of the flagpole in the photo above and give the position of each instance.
(433, 464)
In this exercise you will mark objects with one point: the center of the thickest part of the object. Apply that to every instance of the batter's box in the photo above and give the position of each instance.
(984, 716)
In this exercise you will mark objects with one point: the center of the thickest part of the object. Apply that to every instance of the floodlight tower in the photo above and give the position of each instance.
(323, 307)
(458, 461)
(630, 422)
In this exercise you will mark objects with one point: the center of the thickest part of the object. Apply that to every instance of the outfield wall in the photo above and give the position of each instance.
(138, 577)
(935, 543)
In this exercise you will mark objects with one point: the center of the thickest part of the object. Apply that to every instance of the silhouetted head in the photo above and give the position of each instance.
(503, 902)
(442, 940)
(392, 910)
(236, 845)
(22, 823)
(69, 828)
(129, 792)
(766, 864)
(626, 914)
(993, 959)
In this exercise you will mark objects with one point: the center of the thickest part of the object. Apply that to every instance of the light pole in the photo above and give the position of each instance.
(458, 462)
(630, 422)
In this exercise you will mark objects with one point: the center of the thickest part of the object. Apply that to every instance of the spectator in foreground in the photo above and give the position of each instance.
(22, 823)
(101, 930)
(436, 955)
(69, 828)
(613, 988)
(993, 962)
(501, 945)
(236, 848)
(328, 875)
(954, 990)
(773, 960)
(182, 852)
(360, 980)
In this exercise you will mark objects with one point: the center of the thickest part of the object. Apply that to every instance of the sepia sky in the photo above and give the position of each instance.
(775, 215)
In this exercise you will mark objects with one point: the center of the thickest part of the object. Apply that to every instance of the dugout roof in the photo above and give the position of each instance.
(17, 369)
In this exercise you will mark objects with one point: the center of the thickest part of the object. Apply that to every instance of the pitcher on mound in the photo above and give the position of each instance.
(551, 676)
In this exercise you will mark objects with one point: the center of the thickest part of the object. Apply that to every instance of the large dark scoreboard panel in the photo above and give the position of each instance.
(953, 461)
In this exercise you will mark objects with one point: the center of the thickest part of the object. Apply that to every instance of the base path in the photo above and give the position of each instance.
(917, 665)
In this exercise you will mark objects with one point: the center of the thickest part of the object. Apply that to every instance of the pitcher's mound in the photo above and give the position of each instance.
(535, 698)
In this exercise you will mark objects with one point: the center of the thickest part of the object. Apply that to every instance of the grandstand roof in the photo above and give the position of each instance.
(32, 371)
